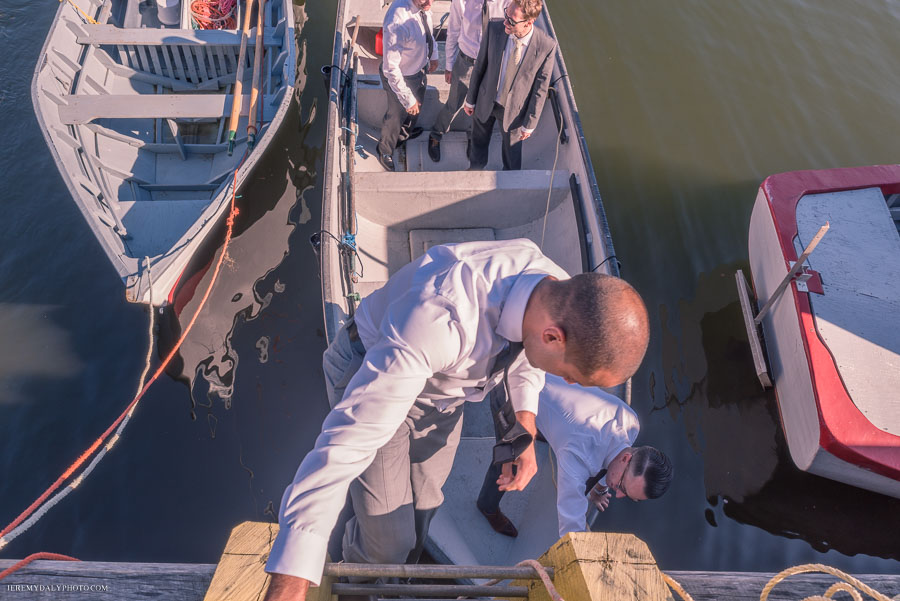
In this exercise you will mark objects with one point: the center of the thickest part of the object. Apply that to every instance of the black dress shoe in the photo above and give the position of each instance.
(434, 148)
(387, 161)
(500, 523)
(414, 133)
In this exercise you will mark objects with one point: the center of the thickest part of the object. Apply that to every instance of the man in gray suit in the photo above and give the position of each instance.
(509, 83)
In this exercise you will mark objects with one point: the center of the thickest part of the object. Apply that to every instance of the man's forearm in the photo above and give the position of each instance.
(287, 588)
(526, 419)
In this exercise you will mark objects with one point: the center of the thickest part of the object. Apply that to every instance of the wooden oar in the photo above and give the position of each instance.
(257, 79)
(239, 76)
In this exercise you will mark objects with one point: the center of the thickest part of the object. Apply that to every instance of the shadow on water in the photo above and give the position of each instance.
(734, 424)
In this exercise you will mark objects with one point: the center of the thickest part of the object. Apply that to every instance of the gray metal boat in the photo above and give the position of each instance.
(135, 114)
(377, 221)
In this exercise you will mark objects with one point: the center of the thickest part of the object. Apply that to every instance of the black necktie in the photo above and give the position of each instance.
(513, 439)
(593, 480)
(484, 18)
(429, 38)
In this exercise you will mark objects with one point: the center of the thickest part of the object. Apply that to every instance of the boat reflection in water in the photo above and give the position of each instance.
(270, 209)
(734, 424)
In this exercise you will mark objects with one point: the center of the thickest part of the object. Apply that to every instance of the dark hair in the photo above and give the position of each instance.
(656, 469)
(604, 320)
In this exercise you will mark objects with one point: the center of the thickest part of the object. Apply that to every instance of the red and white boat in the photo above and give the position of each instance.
(832, 335)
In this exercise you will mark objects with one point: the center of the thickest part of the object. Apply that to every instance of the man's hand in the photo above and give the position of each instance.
(432, 66)
(447, 76)
(414, 109)
(524, 135)
(600, 496)
(287, 588)
(526, 464)
(470, 110)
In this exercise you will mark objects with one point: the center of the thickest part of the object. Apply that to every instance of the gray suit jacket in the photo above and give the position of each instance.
(529, 88)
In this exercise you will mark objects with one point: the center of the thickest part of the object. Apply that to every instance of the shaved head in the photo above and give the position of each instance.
(604, 320)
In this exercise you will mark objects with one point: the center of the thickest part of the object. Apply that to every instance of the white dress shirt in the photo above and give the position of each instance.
(405, 44)
(432, 333)
(586, 428)
(464, 27)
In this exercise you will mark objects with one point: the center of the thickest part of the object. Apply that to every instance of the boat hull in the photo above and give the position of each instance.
(554, 201)
(825, 394)
(153, 186)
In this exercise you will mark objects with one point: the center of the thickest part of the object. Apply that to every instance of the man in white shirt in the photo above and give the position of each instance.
(468, 21)
(400, 371)
(509, 83)
(591, 433)
(409, 53)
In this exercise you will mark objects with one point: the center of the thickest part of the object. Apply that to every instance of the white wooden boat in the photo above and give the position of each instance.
(394, 217)
(135, 115)
(833, 337)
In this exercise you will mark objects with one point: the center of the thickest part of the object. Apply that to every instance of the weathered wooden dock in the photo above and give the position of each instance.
(626, 571)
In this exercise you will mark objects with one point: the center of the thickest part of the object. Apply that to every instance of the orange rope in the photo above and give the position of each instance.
(97, 443)
(213, 14)
(43, 555)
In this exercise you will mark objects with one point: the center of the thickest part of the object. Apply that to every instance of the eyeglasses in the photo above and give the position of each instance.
(621, 486)
(510, 21)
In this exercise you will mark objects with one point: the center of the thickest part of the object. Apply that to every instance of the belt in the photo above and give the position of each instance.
(465, 57)
(353, 335)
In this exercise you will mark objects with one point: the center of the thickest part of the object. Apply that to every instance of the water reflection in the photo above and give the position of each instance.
(41, 349)
(207, 361)
(734, 424)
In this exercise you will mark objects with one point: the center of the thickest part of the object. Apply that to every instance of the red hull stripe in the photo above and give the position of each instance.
(843, 429)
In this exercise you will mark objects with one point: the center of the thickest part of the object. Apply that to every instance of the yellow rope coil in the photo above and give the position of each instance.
(850, 585)
(818, 567)
(677, 588)
(87, 17)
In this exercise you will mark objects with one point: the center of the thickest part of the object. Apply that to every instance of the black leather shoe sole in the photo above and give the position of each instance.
(434, 149)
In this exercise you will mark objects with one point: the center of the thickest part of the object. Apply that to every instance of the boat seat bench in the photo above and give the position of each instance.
(80, 109)
(115, 36)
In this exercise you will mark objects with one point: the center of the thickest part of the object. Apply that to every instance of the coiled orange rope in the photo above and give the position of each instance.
(213, 14)
(101, 440)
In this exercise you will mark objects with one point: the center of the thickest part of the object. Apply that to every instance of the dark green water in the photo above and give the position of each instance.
(687, 106)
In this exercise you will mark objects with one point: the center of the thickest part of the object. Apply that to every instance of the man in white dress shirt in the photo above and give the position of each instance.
(399, 372)
(409, 53)
(468, 21)
(592, 433)
(509, 83)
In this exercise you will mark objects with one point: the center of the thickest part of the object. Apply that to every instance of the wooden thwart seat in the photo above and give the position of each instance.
(80, 109)
(114, 36)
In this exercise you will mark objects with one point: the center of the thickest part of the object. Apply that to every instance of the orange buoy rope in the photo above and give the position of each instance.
(10, 531)
(34, 556)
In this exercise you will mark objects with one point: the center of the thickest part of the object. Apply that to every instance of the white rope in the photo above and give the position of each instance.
(552, 175)
(54, 500)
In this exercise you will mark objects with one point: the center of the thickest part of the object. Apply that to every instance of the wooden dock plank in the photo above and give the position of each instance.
(189, 582)
(51, 580)
(746, 586)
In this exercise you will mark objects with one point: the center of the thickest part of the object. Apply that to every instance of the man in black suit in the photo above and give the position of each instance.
(509, 83)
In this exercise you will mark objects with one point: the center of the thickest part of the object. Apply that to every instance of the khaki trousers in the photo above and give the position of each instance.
(397, 495)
